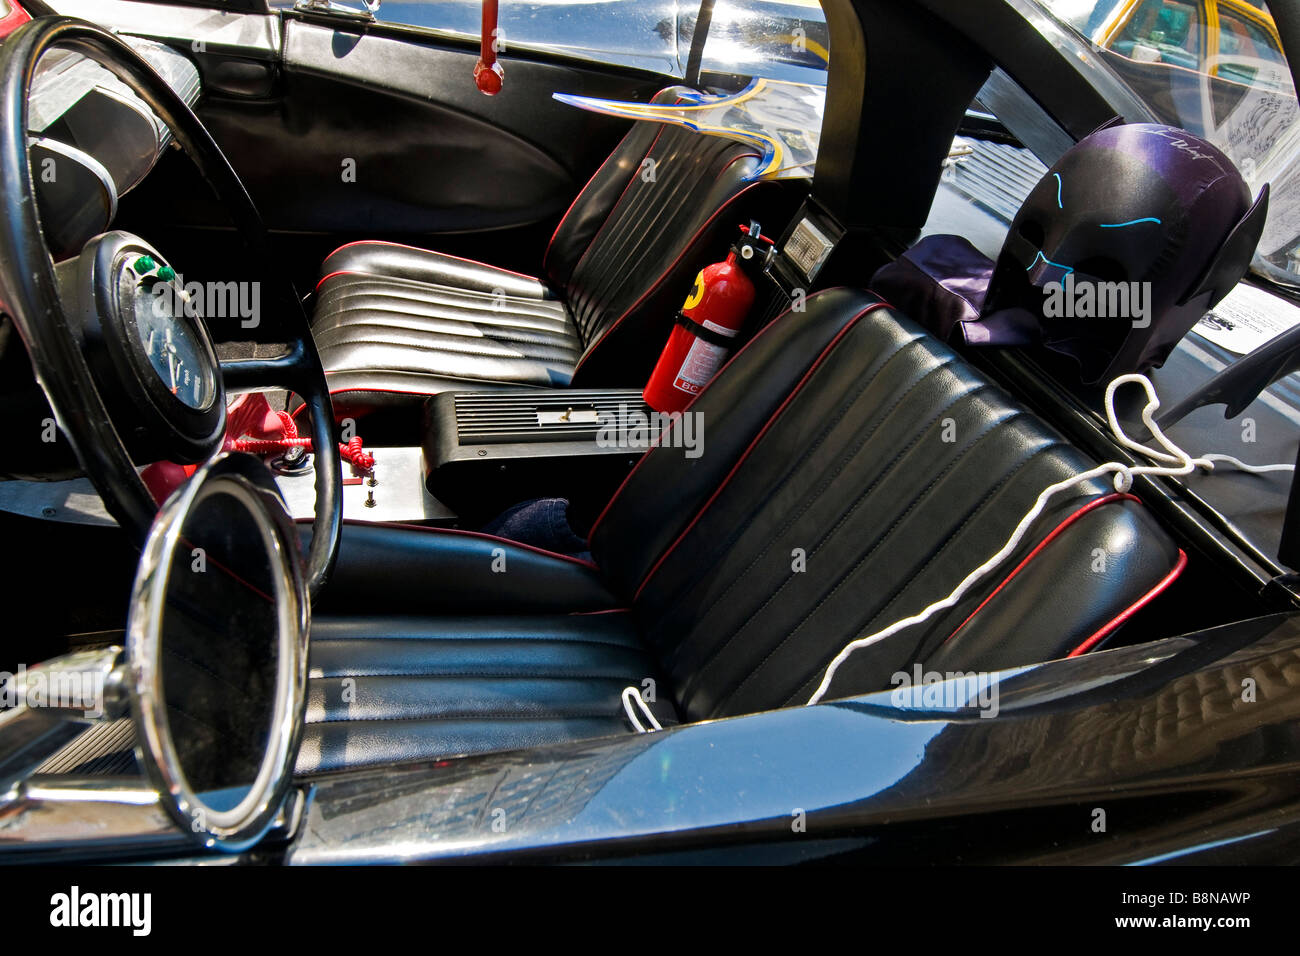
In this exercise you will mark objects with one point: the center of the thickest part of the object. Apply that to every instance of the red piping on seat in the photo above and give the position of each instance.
(830, 347)
(591, 349)
(1138, 605)
(341, 272)
(547, 254)
(604, 225)
(1052, 536)
(445, 255)
(563, 219)
(739, 352)
(471, 534)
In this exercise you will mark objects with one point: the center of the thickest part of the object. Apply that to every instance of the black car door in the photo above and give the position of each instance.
(343, 128)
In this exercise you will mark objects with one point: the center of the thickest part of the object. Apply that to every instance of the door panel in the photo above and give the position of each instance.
(383, 132)
(375, 131)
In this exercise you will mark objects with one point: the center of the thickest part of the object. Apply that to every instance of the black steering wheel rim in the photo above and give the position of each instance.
(29, 292)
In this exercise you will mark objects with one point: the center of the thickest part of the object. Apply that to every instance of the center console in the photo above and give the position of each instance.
(488, 449)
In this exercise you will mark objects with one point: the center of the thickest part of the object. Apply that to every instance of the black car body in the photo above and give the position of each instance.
(1177, 743)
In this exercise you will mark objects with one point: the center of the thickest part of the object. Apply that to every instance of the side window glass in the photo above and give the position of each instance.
(1215, 68)
(1242, 45)
(1163, 31)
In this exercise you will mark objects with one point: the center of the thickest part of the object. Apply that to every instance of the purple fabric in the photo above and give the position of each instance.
(1145, 205)
(941, 282)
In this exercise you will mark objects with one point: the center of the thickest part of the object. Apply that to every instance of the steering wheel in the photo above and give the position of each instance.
(29, 293)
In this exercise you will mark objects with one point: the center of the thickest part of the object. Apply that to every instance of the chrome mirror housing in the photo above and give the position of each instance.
(216, 653)
(365, 13)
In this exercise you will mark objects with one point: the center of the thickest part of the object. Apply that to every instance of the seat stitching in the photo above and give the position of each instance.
(974, 513)
(772, 419)
(924, 493)
(397, 318)
(594, 343)
(435, 350)
(862, 627)
(694, 681)
(616, 259)
(439, 295)
(827, 478)
(407, 317)
(818, 492)
(630, 245)
(457, 331)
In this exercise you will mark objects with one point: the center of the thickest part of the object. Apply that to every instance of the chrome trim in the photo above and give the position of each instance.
(101, 669)
(55, 814)
(81, 818)
(249, 482)
(331, 9)
(47, 707)
(251, 34)
(94, 166)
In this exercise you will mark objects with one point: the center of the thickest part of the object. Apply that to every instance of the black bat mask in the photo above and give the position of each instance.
(1125, 243)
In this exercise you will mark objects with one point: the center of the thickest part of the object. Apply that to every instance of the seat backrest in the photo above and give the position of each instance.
(627, 250)
(854, 470)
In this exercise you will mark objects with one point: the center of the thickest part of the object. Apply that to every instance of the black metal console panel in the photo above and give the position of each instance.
(486, 450)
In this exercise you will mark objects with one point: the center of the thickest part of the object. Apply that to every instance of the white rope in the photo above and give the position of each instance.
(1238, 463)
(1174, 462)
(633, 703)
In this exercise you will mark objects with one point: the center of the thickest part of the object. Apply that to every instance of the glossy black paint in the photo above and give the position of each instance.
(1164, 737)
(1161, 737)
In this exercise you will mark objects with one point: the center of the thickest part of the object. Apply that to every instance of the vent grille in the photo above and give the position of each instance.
(491, 418)
(998, 176)
(106, 748)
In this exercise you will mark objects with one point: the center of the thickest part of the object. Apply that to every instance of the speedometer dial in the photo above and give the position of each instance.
(171, 343)
(148, 348)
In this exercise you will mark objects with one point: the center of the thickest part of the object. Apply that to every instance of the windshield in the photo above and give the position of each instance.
(1215, 68)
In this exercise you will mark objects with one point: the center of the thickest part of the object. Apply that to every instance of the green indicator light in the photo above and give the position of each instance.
(144, 264)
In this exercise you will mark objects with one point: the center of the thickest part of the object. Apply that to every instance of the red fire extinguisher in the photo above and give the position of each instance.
(705, 327)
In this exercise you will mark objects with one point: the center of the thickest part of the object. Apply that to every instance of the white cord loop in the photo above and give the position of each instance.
(1174, 461)
(634, 706)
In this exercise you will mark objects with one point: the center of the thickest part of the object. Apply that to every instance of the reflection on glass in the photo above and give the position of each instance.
(218, 656)
(1215, 68)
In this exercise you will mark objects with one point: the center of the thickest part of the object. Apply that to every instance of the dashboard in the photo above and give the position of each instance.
(91, 139)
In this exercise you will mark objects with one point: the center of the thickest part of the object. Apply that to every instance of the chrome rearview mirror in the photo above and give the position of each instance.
(365, 13)
(217, 653)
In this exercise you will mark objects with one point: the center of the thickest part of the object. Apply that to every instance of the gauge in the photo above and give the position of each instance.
(172, 343)
(148, 348)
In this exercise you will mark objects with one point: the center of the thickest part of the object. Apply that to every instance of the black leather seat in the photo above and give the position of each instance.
(395, 324)
(854, 470)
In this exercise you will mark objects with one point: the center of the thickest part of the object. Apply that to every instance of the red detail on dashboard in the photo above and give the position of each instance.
(288, 437)
(254, 427)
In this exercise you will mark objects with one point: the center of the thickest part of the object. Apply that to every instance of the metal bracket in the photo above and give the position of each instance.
(330, 8)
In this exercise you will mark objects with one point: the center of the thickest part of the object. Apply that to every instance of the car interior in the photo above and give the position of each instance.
(457, 292)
